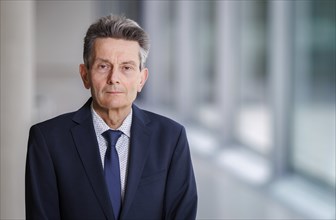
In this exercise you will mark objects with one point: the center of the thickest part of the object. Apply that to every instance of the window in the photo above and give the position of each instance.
(314, 91)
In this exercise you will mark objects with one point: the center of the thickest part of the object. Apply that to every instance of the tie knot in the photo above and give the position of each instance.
(112, 136)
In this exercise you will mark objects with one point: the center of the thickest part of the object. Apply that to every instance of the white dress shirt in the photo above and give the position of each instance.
(122, 145)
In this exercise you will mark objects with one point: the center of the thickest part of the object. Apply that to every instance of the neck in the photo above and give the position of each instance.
(112, 117)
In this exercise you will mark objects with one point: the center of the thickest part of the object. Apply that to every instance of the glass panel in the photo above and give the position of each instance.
(314, 90)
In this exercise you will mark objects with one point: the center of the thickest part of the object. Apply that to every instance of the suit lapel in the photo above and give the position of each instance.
(139, 149)
(87, 146)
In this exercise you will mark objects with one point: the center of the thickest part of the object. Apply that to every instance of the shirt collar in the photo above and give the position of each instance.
(101, 126)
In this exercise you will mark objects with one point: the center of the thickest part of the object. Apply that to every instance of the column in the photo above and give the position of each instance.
(280, 69)
(184, 58)
(156, 24)
(227, 63)
(17, 68)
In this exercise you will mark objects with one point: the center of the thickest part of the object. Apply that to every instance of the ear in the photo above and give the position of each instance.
(85, 76)
(143, 78)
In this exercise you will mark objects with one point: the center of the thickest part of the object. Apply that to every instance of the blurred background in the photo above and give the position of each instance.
(253, 82)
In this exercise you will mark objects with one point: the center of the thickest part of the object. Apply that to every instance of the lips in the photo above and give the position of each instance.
(114, 92)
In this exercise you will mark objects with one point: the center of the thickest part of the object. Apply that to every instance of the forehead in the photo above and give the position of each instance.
(112, 49)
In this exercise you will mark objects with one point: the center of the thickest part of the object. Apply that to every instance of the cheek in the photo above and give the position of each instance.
(133, 90)
(97, 84)
(97, 89)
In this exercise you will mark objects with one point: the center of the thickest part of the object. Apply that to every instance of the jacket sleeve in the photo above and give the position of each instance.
(40, 184)
(181, 192)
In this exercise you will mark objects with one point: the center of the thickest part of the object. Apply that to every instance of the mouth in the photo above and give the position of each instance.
(114, 92)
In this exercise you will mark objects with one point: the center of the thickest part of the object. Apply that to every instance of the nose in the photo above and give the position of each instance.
(113, 77)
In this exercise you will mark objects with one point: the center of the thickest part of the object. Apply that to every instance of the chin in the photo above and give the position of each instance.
(115, 106)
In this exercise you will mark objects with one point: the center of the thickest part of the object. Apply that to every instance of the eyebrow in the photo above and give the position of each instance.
(131, 62)
(101, 59)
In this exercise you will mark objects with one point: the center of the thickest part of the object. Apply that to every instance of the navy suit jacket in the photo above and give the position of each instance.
(64, 174)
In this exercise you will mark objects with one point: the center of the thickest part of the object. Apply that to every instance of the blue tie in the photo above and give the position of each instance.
(112, 170)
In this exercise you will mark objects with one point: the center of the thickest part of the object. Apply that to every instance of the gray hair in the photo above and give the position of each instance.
(118, 27)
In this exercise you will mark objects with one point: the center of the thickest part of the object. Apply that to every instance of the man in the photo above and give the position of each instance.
(75, 170)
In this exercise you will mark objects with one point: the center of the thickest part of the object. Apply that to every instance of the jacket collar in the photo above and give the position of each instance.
(139, 150)
(87, 146)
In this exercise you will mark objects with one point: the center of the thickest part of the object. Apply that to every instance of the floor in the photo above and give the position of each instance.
(223, 196)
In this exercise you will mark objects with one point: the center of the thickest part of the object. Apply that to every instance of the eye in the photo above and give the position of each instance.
(103, 67)
(127, 68)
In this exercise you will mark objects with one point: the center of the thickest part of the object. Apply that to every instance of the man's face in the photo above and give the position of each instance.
(114, 76)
